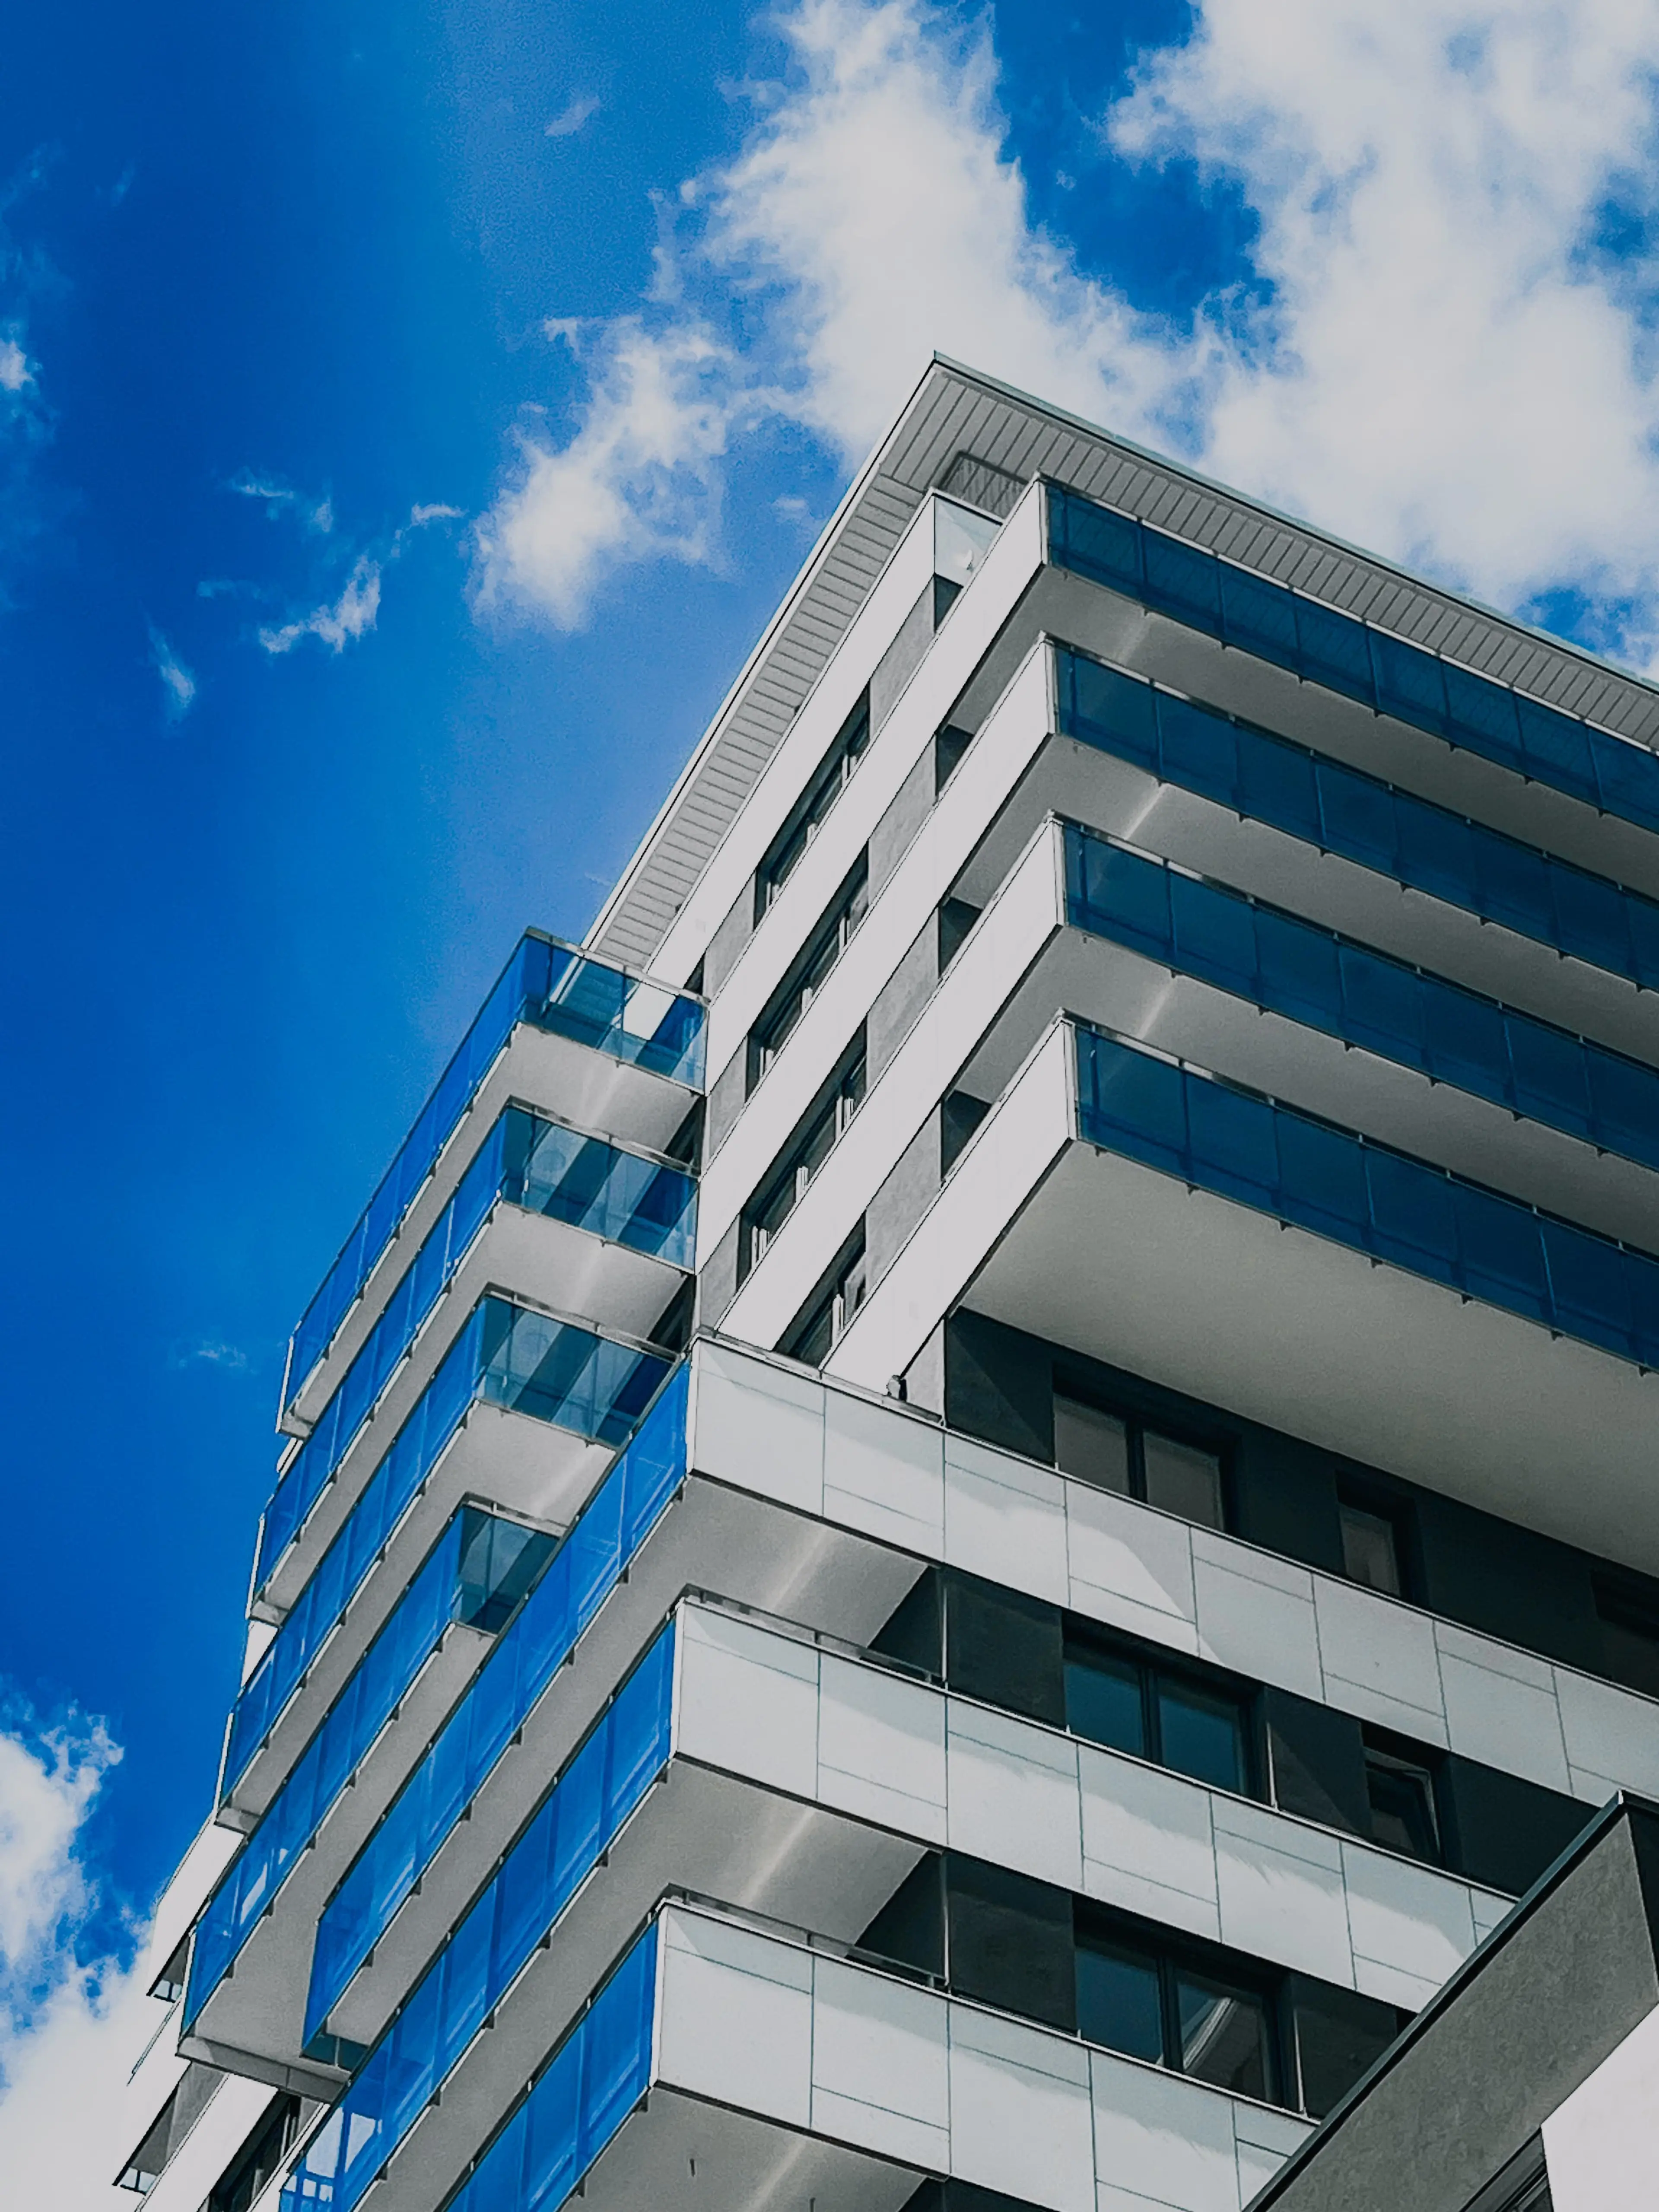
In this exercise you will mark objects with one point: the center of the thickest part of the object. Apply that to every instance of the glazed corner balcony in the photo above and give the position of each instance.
(1280, 1261)
(605, 1050)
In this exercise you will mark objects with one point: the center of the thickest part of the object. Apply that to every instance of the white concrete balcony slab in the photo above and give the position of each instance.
(1293, 1330)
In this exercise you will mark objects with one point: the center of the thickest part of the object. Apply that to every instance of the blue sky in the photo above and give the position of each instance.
(409, 415)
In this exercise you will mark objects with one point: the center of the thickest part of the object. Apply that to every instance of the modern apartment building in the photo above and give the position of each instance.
(981, 1489)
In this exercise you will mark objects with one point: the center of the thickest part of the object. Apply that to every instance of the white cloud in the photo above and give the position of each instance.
(280, 498)
(1443, 367)
(211, 1352)
(337, 622)
(69, 2024)
(638, 481)
(16, 370)
(178, 682)
(435, 511)
(575, 117)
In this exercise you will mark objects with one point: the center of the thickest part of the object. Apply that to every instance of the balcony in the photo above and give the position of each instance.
(607, 1050)
(1470, 1370)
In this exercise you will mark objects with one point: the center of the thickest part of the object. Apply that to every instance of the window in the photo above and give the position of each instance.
(1164, 2007)
(1400, 1790)
(788, 1185)
(169, 1983)
(1128, 1703)
(814, 1336)
(808, 975)
(1630, 1635)
(258, 2159)
(834, 772)
(1372, 1552)
(1137, 1461)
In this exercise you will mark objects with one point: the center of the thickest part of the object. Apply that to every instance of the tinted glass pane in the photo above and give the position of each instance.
(1466, 1041)
(1334, 650)
(1503, 1254)
(1276, 782)
(1626, 1103)
(1199, 749)
(1323, 1178)
(1408, 681)
(1118, 2003)
(1339, 2035)
(1214, 933)
(1118, 894)
(1556, 749)
(1297, 969)
(1550, 1078)
(1182, 580)
(1412, 1208)
(1628, 776)
(1010, 1942)
(1091, 1445)
(1358, 817)
(1223, 2035)
(1370, 1550)
(1104, 709)
(1180, 1479)
(1381, 1005)
(1258, 616)
(1591, 916)
(1202, 1734)
(1093, 540)
(1629, 1641)
(1436, 850)
(1482, 714)
(1402, 1805)
(1232, 1138)
(1104, 1699)
(1004, 1648)
(1514, 886)
(1140, 1100)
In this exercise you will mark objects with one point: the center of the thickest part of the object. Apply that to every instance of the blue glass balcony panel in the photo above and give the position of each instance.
(1347, 655)
(379, 1679)
(555, 988)
(1358, 816)
(1286, 1163)
(388, 1492)
(1293, 966)
(577, 2102)
(578, 1821)
(528, 1161)
(551, 1370)
(580, 1576)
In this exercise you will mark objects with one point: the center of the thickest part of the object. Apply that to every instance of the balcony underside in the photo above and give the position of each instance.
(681, 2151)
(1210, 1298)
(505, 1460)
(590, 1090)
(751, 1550)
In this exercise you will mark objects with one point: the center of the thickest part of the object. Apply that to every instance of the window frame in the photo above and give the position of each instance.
(837, 1303)
(805, 1155)
(1135, 1426)
(808, 972)
(1397, 1515)
(1175, 1957)
(1154, 1669)
(812, 809)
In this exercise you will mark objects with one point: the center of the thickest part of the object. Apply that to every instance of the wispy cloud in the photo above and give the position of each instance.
(17, 373)
(211, 1351)
(1435, 355)
(337, 622)
(580, 113)
(71, 2015)
(178, 682)
(435, 511)
(280, 498)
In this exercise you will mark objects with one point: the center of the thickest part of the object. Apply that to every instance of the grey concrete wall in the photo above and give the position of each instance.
(908, 1191)
(717, 1283)
(901, 999)
(726, 1095)
(901, 660)
(726, 946)
(897, 831)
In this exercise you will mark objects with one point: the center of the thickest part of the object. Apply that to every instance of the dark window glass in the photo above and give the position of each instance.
(807, 978)
(1104, 1699)
(1402, 1796)
(1630, 1635)
(1370, 1549)
(1009, 1941)
(258, 2159)
(1225, 2038)
(1182, 1480)
(1339, 2035)
(1201, 1733)
(1091, 1444)
(910, 1929)
(814, 1145)
(815, 1335)
(1004, 1648)
(1119, 1999)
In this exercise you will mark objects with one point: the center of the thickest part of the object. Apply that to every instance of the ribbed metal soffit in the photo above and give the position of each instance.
(965, 435)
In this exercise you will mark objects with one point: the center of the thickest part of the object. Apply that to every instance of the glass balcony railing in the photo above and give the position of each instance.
(526, 1161)
(1243, 1146)
(465, 1573)
(555, 987)
(507, 1355)
(1342, 810)
(577, 2102)
(578, 1822)
(1345, 655)
(1293, 966)
(578, 1578)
